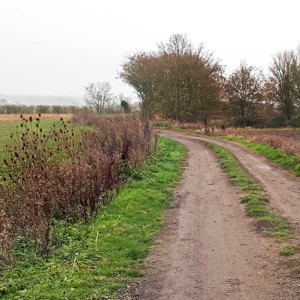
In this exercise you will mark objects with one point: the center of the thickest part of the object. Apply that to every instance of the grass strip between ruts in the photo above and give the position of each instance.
(290, 162)
(98, 258)
(256, 203)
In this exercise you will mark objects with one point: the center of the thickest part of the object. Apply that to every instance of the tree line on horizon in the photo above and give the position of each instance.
(185, 83)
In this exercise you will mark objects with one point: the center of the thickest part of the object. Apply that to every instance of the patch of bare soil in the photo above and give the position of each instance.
(208, 248)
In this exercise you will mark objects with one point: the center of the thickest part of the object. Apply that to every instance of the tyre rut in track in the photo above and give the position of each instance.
(208, 248)
(282, 187)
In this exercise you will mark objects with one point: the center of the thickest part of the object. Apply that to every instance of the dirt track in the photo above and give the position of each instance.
(283, 188)
(208, 248)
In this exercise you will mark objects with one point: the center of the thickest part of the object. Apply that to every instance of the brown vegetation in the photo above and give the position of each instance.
(63, 174)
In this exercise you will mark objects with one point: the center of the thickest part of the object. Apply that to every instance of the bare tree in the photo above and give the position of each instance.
(177, 44)
(178, 81)
(285, 74)
(244, 90)
(140, 73)
(98, 95)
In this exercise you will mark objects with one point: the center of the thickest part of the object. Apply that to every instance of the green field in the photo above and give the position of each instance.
(10, 133)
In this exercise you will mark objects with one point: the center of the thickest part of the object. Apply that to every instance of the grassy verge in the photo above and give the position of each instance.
(101, 256)
(256, 204)
(289, 162)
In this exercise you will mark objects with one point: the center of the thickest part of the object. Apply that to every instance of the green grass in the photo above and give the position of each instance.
(10, 135)
(289, 162)
(288, 251)
(256, 204)
(6, 129)
(98, 258)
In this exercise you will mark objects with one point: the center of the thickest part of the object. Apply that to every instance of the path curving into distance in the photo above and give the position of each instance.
(281, 187)
(209, 249)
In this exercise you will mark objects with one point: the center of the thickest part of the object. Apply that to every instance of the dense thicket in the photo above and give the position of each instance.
(244, 95)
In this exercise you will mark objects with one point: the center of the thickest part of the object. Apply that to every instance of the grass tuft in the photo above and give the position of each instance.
(296, 270)
(288, 250)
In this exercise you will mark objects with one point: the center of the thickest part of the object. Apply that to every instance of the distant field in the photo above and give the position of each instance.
(16, 117)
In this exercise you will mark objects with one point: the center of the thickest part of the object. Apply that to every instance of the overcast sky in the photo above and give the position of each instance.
(56, 47)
